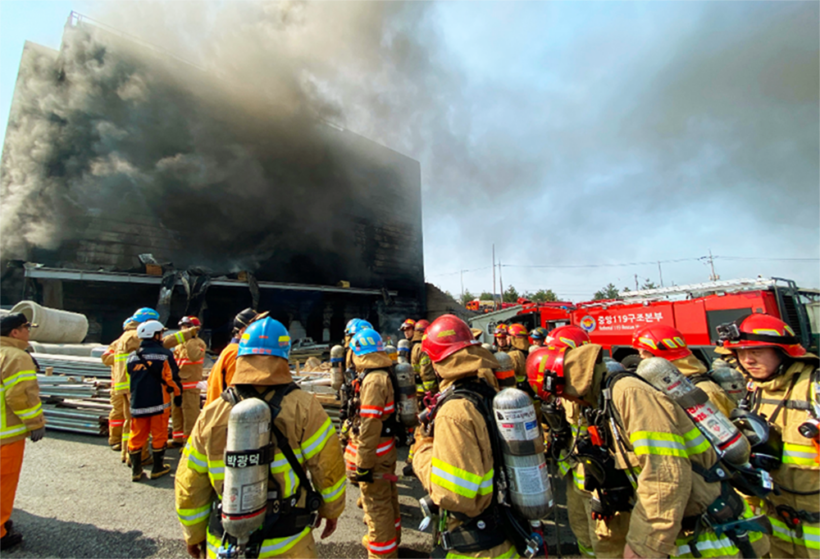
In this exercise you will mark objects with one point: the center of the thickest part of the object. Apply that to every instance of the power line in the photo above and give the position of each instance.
(765, 258)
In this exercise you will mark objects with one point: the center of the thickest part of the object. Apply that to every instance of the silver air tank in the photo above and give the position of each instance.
(522, 444)
(407, 407)
(245, 489)
(489, 347)
(404, 351)
(391, 352)
(337, 359)
(505, 374)
(721, 432)
(730, 380)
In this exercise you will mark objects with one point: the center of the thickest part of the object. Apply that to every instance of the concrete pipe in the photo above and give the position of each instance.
(53, 326)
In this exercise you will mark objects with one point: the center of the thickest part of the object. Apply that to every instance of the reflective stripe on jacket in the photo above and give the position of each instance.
(190, 357)
(312, 438)
(20, 408)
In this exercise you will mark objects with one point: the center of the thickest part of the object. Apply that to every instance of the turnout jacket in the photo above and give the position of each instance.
(662, 445)
(310, 434)
(369, 448)
(20, 407)
(190, 357)
(116, 356)
(221, 373)
(149, 379)
(800, 469)
(456, 466)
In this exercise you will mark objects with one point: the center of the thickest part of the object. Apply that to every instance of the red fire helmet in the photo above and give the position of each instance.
(661, 341)
(445, 336)
(568, 336)
(517, 331)
(763, 330)
(500, 330)
(409, 323)
(422, 325)
(189, 322)
(545, 370)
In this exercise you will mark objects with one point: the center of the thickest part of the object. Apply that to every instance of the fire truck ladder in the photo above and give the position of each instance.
(698, 288)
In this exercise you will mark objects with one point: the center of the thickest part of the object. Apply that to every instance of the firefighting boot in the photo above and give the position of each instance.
(159, 468)
(136, 465)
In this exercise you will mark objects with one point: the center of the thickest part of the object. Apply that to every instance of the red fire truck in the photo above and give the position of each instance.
(695, 310)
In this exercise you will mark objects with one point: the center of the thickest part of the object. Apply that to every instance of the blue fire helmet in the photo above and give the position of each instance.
(366, 341)
(357, 325)
(265, 337)
(143, 314)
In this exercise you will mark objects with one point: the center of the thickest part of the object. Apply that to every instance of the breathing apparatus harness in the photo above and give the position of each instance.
(352, 402)
(606, 430)
(283, 517)
(499, 521)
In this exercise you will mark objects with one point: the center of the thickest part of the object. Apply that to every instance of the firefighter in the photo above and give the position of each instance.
(21, 413)
(119, 418)
(658, 450)
(222, 372)
(352, 327)
(518, 352)
(153, 374)
(408, 328)
(456, 465)
(660, 340)
(502, 341)
(537, 338)
(116, 357)
(190, 358)
(785, 390)
(262, 368)
(371, 452)
(421, 363)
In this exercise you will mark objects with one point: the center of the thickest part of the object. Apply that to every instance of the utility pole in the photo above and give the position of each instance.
(462, 285)
(636, 282)
(660, 271)
(714, 276)
(494, 276)
(500, 281)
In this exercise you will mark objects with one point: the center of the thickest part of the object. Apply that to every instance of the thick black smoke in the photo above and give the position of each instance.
(231, 163)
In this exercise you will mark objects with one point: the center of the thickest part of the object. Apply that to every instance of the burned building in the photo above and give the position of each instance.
(132, 178)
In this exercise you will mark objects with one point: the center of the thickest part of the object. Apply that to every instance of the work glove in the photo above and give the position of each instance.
(38, 434)
(364, 476)
(600, 511)
(178, 401)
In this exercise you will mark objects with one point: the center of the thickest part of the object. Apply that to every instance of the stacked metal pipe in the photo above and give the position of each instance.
(73, 365)
(77, 406)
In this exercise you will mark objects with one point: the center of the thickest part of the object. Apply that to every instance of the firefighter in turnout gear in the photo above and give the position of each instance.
(305, 442)
(154, 376)
(421, 362)
(785, 390)
(455, 462)
(643, 453)
(371, 452)
(353, 326)
(190, 358)
(21, 414)
(518, 352)
(222, 372)
(116, 356)
(660, 340)
(596, 537)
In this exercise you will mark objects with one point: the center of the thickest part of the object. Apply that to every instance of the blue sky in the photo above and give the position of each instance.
(597, 133)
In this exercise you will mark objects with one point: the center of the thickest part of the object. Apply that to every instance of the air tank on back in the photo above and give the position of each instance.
(730, 380)
(404, 351)
(505, 374)
(391, 352)
(245, 489)
(337, 357)
(407, 407)
(722, 433)
(489, 347)
(522, 444)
